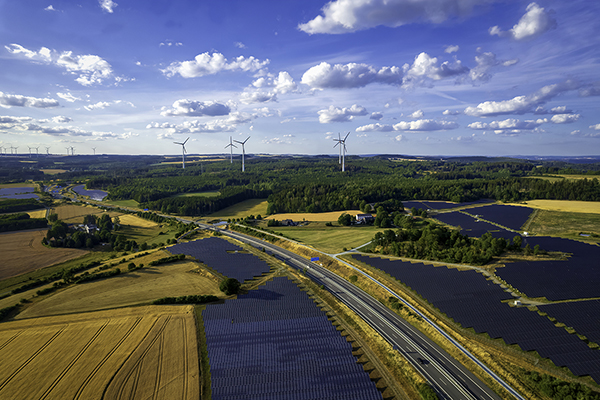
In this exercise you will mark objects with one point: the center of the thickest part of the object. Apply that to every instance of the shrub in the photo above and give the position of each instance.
(230, 286)
(353, 278)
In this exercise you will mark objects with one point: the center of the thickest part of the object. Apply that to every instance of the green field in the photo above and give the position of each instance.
(242, 209)
(122, 203)
(566, 224)
(330, 239)
(199, 194)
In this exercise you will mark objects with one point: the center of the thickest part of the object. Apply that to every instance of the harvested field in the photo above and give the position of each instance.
(132, 220)
(329, 239)
(17, 185)
(23, 252)
(140, 353)
(37, 213)
(242, 209)
(317, 217)
(132, 288)
(51, 171)
(590, 207)
(73, 214)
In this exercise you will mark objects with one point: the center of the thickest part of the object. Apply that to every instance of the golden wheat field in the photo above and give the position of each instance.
(138, 353)
(73, 214)
(37, 213)
(589, 207)
(132, 220)
(317, 217)
(23, 252)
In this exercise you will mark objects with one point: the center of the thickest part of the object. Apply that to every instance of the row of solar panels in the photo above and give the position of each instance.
(529, 330)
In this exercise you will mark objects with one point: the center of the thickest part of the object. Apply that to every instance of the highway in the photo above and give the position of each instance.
(449, 378)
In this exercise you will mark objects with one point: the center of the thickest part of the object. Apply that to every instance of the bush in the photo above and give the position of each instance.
(353, 278)
(230, 286)
(427, 392)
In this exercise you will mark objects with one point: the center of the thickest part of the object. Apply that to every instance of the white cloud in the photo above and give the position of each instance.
(451, 49)
(400, 138)
(67, 131)
(68, 97)
(170, 43)
(417, 114)
(107, 5)
(595, 127)
(336, 114)
(561, 110)
(257, 97)
(210, 64)
(240, 45)
(424, 125)
(350, 75)
(8, 122)
(344, 16)
(282, 83)
(565, 118)
(485, 62)
(100, 105)
(16, 100)
(508, 124)
(50, 8)
(91, 69)
(451, 112)
(193, 108)
(61, 119)
(535, 22)
(426, 68)
(375, 128)
(521, 104)
(377, 116)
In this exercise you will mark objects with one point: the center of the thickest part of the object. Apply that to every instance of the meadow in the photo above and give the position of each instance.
(73, 214)
(242, 209)
(317, 217)
(199, 194)
(135, 353)
(17, 185)
(566, 224)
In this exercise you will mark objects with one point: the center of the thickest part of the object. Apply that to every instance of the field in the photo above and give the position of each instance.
(242, 209)
(37, 213)
(132, 220)
(23, 252)
(133, 288)
(317, 217)
(53, 171)
(122, 203)
(17, 185)
(138, 353)
(73, 214)
(590, 207)
(329, 239)
(199, 194)
(565, 224)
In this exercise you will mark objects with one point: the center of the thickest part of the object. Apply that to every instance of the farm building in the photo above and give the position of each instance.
(364, 218)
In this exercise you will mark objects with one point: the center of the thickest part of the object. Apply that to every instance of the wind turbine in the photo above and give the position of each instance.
(243, 152)
(37, 151)
(183, 151)
(93, 148)
(47, 151)
(342, 143)
(72, 150)
(232, 146)
(16, 152)
(30, 150)
(67, 150)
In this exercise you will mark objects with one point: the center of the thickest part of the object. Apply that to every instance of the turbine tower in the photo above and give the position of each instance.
(93, 148)
(243, 152)
(67, 150)
(47, 151)
(37, 151)
(232, 146)
(72, 150)
(342, 143)
(30, 150)
(183, 151)
(16, 148)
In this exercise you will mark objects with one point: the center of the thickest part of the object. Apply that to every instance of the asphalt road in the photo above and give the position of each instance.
(449, 378)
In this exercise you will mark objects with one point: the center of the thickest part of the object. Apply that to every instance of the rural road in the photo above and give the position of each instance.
(449, 378)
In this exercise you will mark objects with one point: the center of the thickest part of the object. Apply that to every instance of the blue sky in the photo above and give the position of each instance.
(428, 77)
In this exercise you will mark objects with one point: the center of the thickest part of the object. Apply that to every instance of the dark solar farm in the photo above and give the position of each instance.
(475, 302)
(275, 343)
(224, 257)
(438, 205)
(511, 217)
(473, 227)
(583, 316)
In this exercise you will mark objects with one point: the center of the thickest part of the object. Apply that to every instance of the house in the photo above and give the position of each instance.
(364, 218)
(288, 222)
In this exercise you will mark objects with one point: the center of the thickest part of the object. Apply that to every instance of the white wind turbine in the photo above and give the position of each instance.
(342, 143)
(72, 150)
(183, 151)
(47, 151)
(243, 152)
(93, 148)
(231, 145)
(37, 151)
(67, 150)
(30, 150)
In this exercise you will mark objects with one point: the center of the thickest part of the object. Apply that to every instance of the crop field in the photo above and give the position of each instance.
(589, 207)
(132, 220)
(50, 171)
(23, 252)
(330, 239)
(139, 353)
(317, 217)
(37, 213)
(242, 209)
(132, 288)
(17, 185)
(566, 224)
(199, 194)
(73, 214)
(122, 203)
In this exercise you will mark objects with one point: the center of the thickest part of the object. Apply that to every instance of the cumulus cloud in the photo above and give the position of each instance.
(400, 138)
(595, 127)
(336, 114)
(228, 124)
(561, 110)
(194, 108)
(100, 105)
(91, 69)
(376, 116)
(508, 124)
(350, 75)
(8, 122)
(282, 83)
(257, 97)
(50, 8)
(67, 131)
(485, 62)
(16, 100)
(210, 64)
(565, 118)
(170, 43)
(375, 128)
(344, 16)
(61, 119)
(107, 5)
(535, 22)
(426, 68)
(425, 125)
(68, 97)
(521, 104)
(451, 112)
(417, 114)
(451, 49)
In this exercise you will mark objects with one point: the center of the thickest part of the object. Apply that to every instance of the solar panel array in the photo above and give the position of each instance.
(575, 278)
(470, 226)
(512, 217)
(438, 205)
(213, 252)
(275, 343)
(18, 193)
(474, 302)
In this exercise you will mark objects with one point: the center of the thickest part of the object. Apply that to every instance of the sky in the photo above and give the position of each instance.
(413, 77)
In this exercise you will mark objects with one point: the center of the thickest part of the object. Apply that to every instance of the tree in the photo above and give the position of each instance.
(230, 286)
(345, 219)
(517, 242)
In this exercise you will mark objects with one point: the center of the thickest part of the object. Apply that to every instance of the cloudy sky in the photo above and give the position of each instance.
(419, 77)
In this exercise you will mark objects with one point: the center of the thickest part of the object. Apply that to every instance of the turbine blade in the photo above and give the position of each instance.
(189, 139)
(346, 136)
(336, 144)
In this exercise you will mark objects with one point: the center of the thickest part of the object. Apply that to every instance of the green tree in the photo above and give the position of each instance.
(230, 286)
(345, 219)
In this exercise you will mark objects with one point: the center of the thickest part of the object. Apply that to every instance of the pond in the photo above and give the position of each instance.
(97, 195)
(18, 193)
